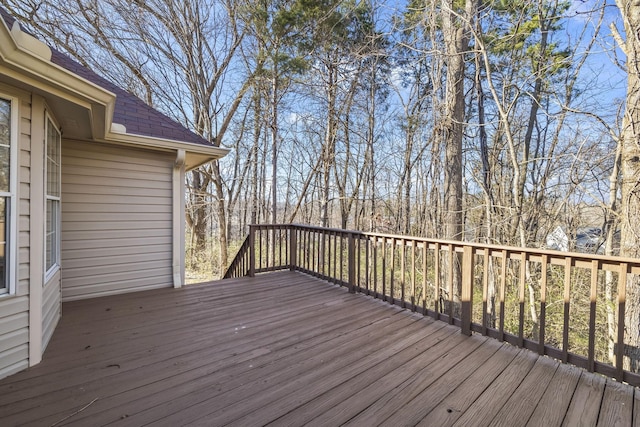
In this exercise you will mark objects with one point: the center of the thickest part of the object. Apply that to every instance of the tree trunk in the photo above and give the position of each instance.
(630, 170)
(222, 218)
(257, 128)
(198, 215)
(274, 142)
(456, 45)
(328, 151)
(610, 226)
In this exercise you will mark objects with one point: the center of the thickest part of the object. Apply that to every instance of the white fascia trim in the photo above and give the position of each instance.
(162, 143)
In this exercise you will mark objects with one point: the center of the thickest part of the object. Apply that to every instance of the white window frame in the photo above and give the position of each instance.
(12, 247)
(52, 269)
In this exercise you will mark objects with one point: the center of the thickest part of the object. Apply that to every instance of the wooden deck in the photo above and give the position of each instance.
(287, 349)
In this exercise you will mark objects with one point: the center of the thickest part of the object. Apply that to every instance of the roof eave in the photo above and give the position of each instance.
(197, 154)
(29, 60)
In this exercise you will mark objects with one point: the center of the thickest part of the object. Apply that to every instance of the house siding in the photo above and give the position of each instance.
(24, 194)
(14, 309)
(51, 308)
(116, 219)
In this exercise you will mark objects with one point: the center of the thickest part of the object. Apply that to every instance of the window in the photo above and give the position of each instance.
(52, 174)
(8, 130)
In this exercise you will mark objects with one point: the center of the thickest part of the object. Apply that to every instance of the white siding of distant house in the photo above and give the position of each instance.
(116, 219)
(14, 309)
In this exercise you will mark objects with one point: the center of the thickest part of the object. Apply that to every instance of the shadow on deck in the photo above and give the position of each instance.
(288, 349)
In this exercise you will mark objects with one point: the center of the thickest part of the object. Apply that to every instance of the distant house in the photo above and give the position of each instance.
(587, 240)
(91, 192)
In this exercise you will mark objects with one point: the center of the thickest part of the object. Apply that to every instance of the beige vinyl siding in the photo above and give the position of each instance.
(24, 194)
(51, 308)
(14, 309)
(116, 219)
(14, 335)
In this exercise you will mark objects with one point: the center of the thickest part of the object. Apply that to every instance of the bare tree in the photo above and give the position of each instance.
(169, 52)
(630, 172)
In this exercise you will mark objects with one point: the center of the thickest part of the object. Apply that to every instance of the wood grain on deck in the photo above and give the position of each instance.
(287, 349)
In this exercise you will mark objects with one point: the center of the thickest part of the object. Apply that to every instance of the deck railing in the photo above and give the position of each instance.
(239, 266)
(570, 306)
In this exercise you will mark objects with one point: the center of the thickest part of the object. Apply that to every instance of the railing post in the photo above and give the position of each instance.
(352, 263)
(293, 248)
(252, 251)
(467, 289)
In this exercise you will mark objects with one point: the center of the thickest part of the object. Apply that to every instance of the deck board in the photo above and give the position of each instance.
(384, 382)
(254, 389)
(286, 349)
(586, 401)
(453, 406)
(427, 399)
(438, 339)
(553, 406)
(523, 401)
(394, 400)
(491, 401)
(617, 405)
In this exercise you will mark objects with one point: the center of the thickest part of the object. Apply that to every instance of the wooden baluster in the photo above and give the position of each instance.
(322, 253)
(384, 268)
(335, 257)
(450, 274)
(568, 262)
(326, 254)
(311, 250)
(261, 254)
(413, 275)
(424, 277)
(252, 251)
(305, 249)
(337, 266)
(438, 291)
(543, 305)
(318, 239)
(403, 247)
(293, 248)
(466, 315)
(485, 291)
(341, 237)
(358, 261)
(503, 285)
(273, 247)
(367, 276)
(593, 297)
(521, 297)
(264, 232)
(622, 298)
(326, 247)
(375, 267)
(392, 270)
(280, 242)
(351, 262)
